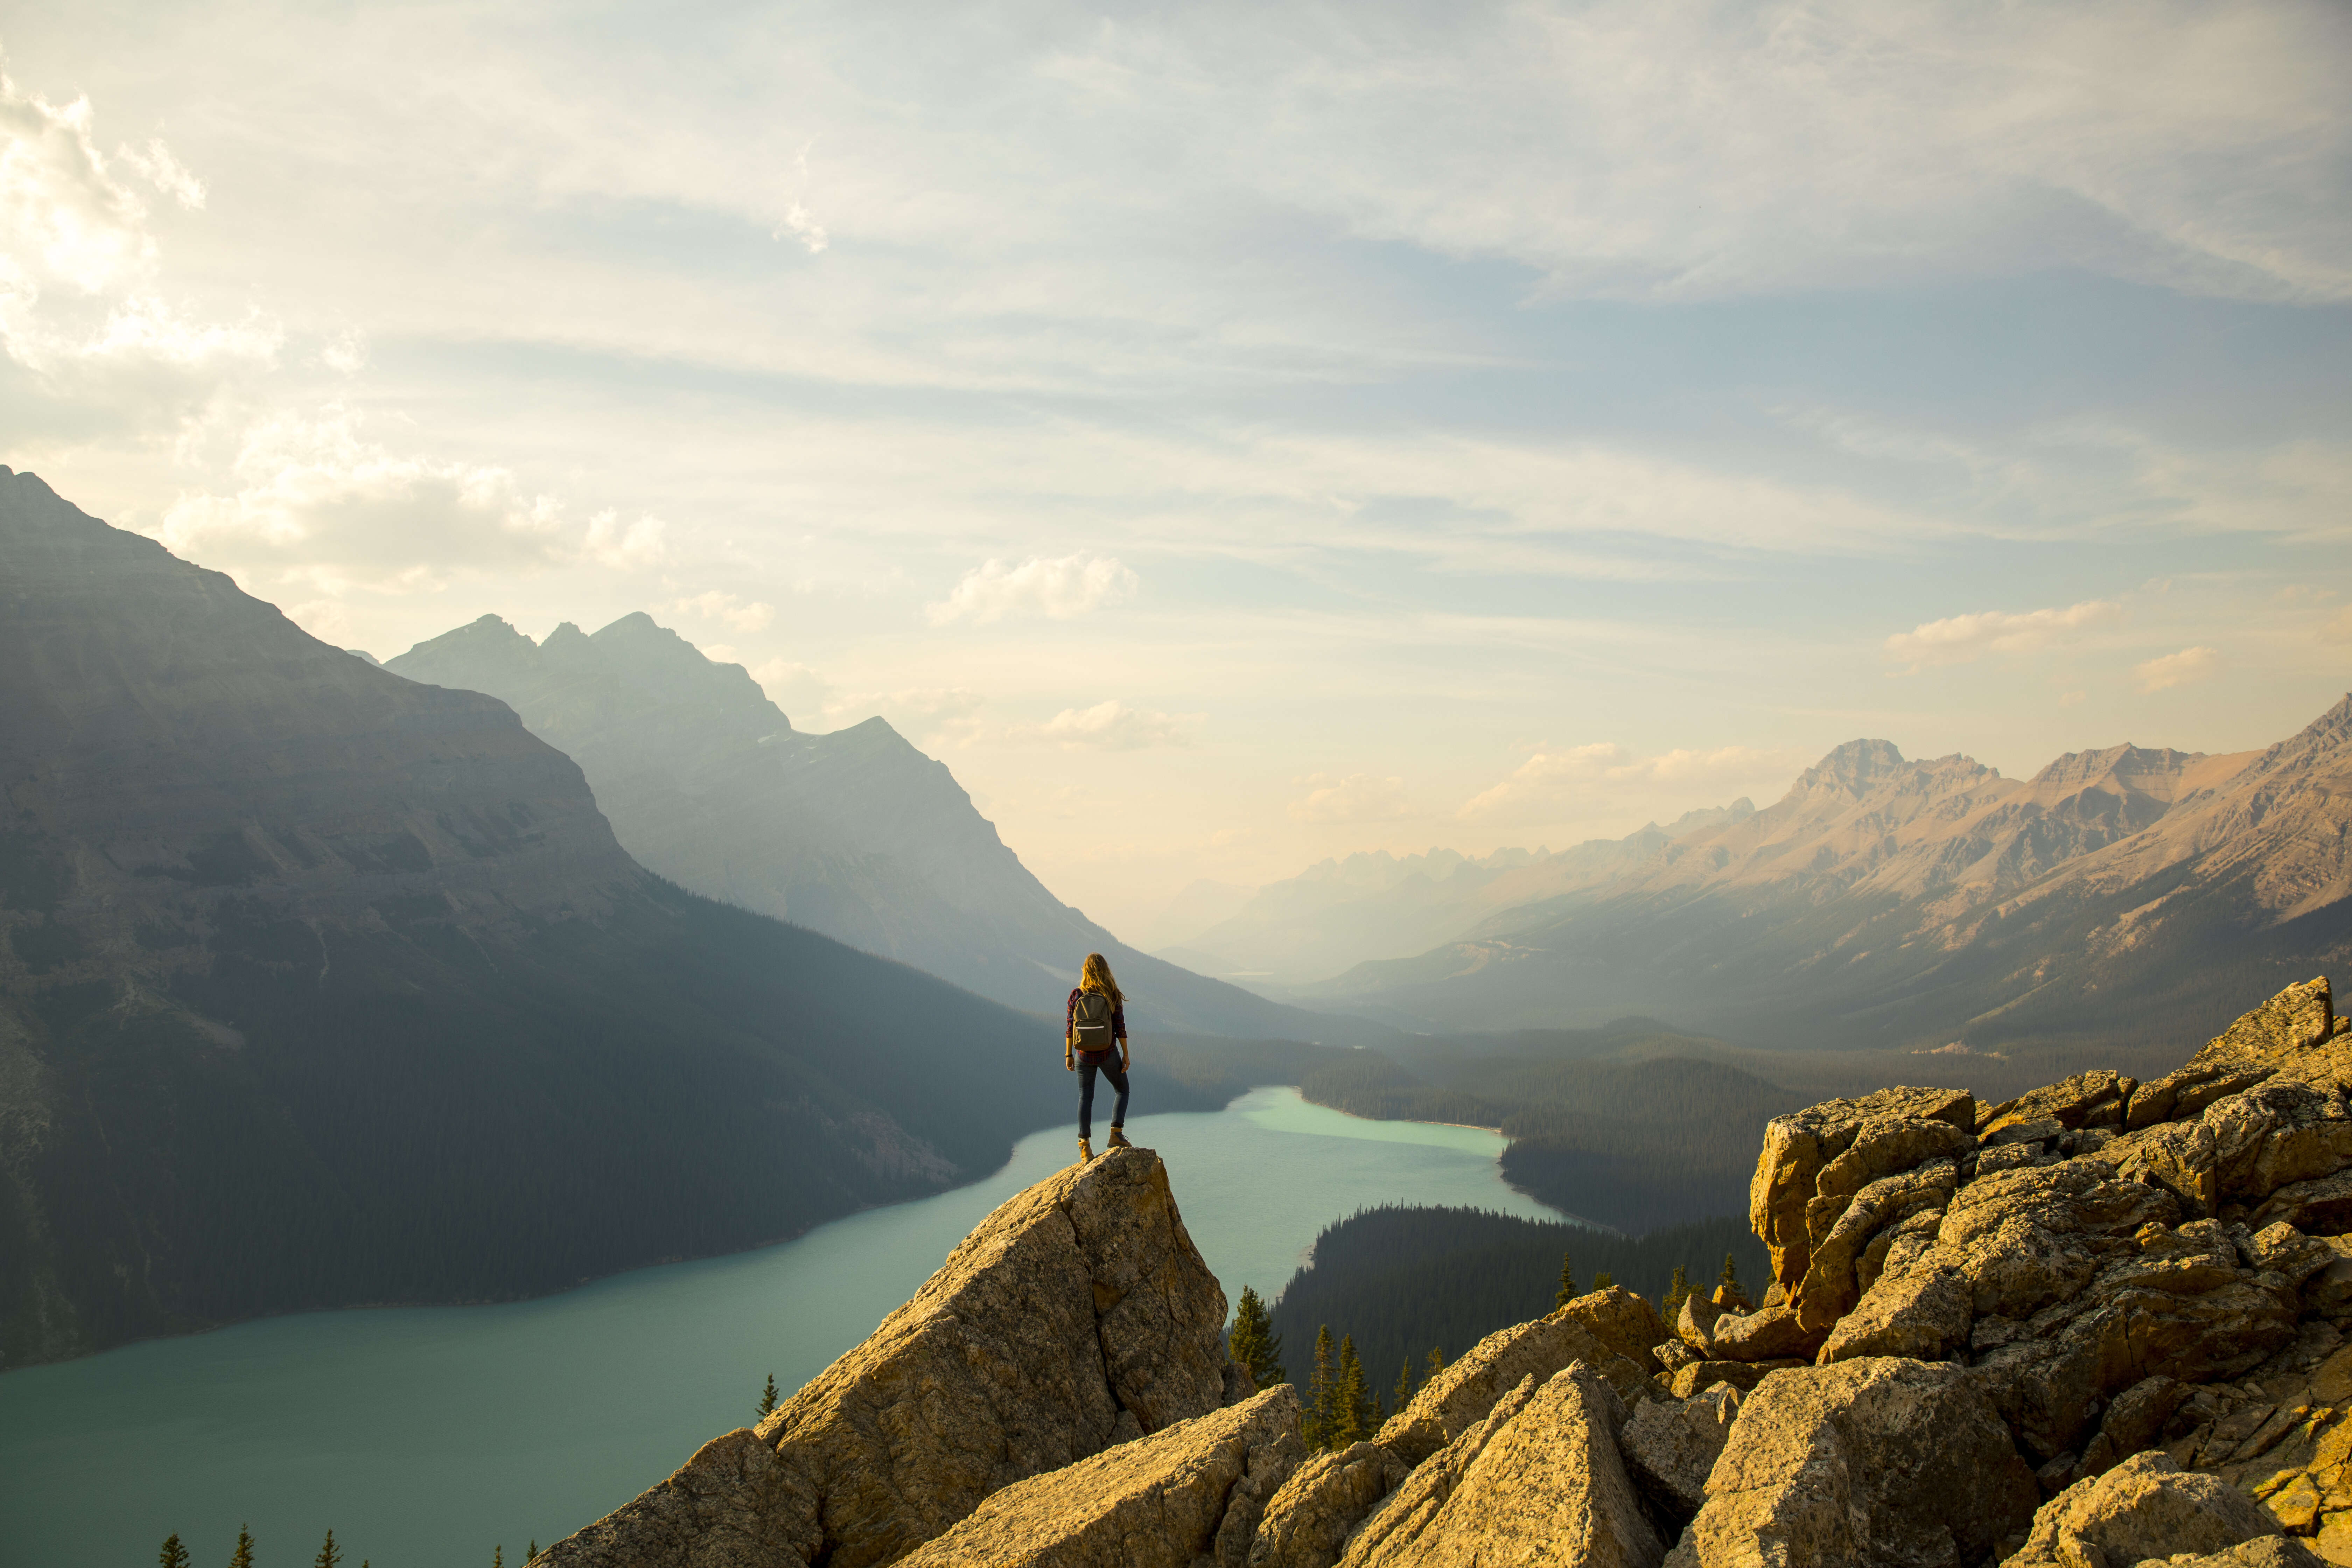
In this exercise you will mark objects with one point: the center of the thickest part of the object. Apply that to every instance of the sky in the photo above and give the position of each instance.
(1232, 435)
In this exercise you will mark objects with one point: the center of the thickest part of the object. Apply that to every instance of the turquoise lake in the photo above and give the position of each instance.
(429, 1435)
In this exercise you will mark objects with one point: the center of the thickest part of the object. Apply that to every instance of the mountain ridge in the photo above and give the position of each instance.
(856, 833)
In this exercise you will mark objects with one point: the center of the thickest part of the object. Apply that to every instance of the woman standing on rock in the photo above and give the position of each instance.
(1095, 1032)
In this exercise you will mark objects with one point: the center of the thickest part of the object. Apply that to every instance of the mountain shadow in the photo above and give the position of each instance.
(321, 988)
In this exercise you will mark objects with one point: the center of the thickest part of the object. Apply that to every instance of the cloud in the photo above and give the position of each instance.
(78, 265)
(2190, 664)
(627, 546)
(2338, 626)
(1061, 589)
(1358, 797)
(1961, 639)
(727, 610)
(317, 503)
(1109, 726)
(1553, 781)
(795, 688)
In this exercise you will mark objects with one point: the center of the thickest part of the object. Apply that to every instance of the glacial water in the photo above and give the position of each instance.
(426, 1437)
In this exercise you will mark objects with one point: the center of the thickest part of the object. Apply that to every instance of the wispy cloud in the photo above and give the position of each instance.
(1061, 588)
(727, 610)
(1357, 798)
(2190, 664)
(1556, 782)
(1960, 639)
(1110, 726)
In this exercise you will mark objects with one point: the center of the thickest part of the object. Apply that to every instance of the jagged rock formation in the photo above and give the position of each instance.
(319, 987)
(855, 834)
(1078, 1316)
(2113, 1354)
(1186, 1495)
(1885, 901)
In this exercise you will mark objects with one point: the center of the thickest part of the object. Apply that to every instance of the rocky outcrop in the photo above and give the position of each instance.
(2056, 1337)
(2144, 1508)
(1077, 1317)
(1310, 1521)
(1671, 1447)
(1881, 1461)
(1188, 1495)
(1541, 1480)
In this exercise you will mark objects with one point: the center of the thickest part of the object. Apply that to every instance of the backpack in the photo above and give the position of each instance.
(1090, 1020)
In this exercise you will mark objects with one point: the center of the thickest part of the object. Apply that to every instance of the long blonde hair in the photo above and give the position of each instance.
(1095, 977)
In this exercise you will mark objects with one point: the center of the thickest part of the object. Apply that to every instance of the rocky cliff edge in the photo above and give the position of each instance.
(2103, 1324)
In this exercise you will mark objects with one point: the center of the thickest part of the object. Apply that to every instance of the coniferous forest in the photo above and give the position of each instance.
(1400, 1281)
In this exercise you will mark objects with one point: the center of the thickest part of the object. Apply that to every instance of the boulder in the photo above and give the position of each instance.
(2146, 1507)
(1460, 1396)
(1770, 1334)
(1620, 1320)
(1076, 1316)
(1832, 1281)
(1306, 1524)
(2087, 1099)
(1694, 1376)
(1671, 1446)
(1540, 1481)
(1882, 1461)
(2239, 1057)
(1190, 1493)
(1813, 1160)
(2264, 1551)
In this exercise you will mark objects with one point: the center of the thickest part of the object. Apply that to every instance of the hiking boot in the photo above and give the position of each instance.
(1086, 1150)
(1118, 1139)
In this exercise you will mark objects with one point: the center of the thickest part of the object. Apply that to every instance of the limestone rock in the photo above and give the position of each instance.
(1306, 1524)
(1544, 1485)
(1671, 1446)
(2146, 1507)
(1079, 1313)
(2264, 1551)
(2241, 1056)
(2087, 1099)
(1881, 1461)
(1825, 1155)
(1620, 1320)
(1770, 1334)
(1921, 1313)
(1833, 1281)
(1691, 1379)
(1695, 1323)
(1187, 1493)
(1460, 1394)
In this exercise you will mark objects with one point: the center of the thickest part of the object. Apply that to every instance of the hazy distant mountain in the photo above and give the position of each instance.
(321, 986)
(1882, 901)
(855, 833)
(1340, 913)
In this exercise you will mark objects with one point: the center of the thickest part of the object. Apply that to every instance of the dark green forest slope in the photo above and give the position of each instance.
(1402, 1280)
(1632, 1141)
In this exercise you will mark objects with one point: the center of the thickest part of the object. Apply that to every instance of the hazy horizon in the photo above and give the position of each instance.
(1233, 438)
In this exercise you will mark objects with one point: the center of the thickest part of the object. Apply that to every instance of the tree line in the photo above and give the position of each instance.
(1397, 1280)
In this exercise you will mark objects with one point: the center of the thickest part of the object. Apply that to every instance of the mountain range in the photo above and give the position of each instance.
(855, 833)
(2116, 894)
(1375, 905)
(322, 986)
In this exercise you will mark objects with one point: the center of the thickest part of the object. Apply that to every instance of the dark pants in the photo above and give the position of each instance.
(1108, 1067)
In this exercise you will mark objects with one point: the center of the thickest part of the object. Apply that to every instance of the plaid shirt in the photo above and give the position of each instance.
(1117, 1021)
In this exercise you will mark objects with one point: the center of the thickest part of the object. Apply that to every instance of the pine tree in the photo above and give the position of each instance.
(173, 1554)
(1567, 1291)
(329, 1556)
(1403, 1394)
(768, 1398)
(1437, 1364)
(1349, 1407)
(534, 1550)
(243, 1557)
(1254, 1343)
(1317, 1429)
(498, 1557)
(1678, 1290)
(1730, 1271)
(1603, 1280)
